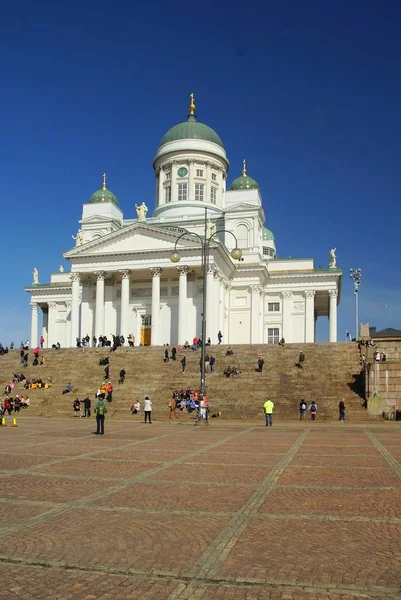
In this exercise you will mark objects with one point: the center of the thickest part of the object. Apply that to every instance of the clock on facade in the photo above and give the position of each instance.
(182, 171)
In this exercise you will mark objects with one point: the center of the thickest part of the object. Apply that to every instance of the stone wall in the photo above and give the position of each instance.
(385, 379)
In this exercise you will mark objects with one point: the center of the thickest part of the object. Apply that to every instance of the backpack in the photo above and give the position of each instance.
(303, 406)
(100, 410)
(313, 409)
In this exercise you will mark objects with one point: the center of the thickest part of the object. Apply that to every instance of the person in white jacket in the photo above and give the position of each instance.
(147, 407)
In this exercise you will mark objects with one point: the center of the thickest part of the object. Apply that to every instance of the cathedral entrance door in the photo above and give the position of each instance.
(146, 330)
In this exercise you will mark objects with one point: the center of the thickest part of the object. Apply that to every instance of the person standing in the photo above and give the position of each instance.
(122, 376)
(173, 408)
(302, 410)
(261, 362)
(268, 408)
(109, 390)
(87, 406)
(212, 362)
(147, 407)
(313, 410)
(341, 410)
(183, 363)
(301, 360)
(219, 337)
(100, 412)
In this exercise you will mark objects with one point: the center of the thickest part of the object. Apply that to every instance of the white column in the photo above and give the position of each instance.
(208, 181)
(287, 308)
(310, 316)
(262, 316)
(255, 314)
(156, 272)
(34, 324)
(99, 311)
(221, 307)
(333, 316)
(210, 304)
(191, 188)
(75, 301)
(124, 308)
(51, 324)
(174, 182)
(227, 313)
(182, 303)
(161, 190)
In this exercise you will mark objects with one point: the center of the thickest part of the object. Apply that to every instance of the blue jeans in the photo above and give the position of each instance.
(269, 419)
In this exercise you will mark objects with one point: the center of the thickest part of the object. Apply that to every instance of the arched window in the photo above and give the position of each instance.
(241, 231)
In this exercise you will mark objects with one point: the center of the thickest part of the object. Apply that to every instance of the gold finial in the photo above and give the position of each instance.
(192, 105)
(244, 168)
(104, 181)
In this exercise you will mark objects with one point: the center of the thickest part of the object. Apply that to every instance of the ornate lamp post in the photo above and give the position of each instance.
(175, 257)
(356, 275)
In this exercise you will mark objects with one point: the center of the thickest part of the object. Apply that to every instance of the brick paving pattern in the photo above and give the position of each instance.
(176, 512)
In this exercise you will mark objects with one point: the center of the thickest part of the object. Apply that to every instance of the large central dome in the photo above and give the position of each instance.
(191, 129)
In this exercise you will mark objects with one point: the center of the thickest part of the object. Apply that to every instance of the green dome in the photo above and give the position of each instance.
(191, 130)
(244, 182)
(103, 195)
(268, 235)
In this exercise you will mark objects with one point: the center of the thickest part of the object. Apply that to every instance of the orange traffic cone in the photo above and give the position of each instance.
(3, 422)
(14, 423)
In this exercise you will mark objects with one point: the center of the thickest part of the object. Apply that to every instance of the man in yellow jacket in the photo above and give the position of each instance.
(268, 407)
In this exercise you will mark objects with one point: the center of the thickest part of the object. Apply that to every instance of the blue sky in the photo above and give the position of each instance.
(308, 92)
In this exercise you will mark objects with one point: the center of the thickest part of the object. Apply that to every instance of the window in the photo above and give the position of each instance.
(182, 191)
(168, 175)
(273, 307)
(199, 172)
(214, 177)
(268, 251)
(199, 187)
(213, 195)
(273, 335)
(167, 193)
(146, 320)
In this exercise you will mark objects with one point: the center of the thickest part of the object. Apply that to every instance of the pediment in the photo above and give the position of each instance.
(135, 238)
(242, 206)
(96, 219)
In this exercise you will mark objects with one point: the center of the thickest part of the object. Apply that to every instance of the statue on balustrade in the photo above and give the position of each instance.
(79, 238)
(35, 276)
(333, 258)
(141, 211)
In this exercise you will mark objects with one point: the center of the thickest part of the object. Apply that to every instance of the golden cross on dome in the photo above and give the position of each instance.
(244, 168)
(192, 105)
(104, 181)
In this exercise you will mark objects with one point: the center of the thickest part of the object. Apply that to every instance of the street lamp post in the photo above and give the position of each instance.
(175, 257)
(356, 275)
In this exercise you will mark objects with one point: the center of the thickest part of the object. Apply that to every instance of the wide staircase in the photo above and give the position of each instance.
(330, 372)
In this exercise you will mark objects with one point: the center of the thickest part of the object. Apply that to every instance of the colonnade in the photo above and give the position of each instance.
(217, 308)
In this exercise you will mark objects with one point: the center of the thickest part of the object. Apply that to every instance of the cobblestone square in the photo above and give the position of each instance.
(176, 512)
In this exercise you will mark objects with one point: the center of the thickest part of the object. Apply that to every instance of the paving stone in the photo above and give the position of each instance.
(336, 476)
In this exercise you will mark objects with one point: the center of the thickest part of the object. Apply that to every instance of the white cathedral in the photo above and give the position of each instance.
(123, 280)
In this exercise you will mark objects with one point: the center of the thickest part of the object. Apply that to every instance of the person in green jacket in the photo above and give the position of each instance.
(268, 407)
(100, 412)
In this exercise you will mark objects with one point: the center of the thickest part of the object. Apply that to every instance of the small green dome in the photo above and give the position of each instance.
(268, 235)
(244, 182)
(103, 195)
(191, 129)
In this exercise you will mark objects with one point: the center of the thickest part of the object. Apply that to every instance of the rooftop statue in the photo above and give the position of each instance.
(35, 276)
(141, 211)
(333, 258)
(79, 238)
(61, 269)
